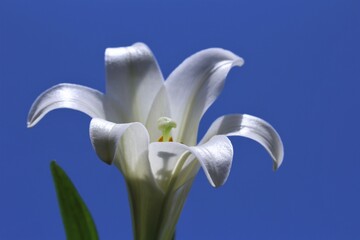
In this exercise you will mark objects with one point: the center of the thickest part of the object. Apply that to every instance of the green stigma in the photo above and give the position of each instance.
(165, 125)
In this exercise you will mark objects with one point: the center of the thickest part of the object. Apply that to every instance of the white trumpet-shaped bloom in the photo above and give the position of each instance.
(148, 128)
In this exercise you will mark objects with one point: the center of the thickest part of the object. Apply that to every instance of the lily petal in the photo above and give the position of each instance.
(251, 127)
(125, 145)
(66, 95)
(133, 80)
(194, 86)
(215, 157)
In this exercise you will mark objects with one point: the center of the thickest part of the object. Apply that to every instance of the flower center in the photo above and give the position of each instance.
(165, 125)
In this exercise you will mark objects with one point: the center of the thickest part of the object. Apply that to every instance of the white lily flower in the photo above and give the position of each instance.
(148, 128)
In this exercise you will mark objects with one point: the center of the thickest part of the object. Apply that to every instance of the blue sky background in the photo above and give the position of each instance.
(301, 74)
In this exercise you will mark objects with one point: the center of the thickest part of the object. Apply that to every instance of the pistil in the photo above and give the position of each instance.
(165, 125)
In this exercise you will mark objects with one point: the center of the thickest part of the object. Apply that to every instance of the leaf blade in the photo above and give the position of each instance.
(76, 217)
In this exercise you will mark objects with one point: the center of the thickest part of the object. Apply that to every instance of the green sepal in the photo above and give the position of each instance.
(76, 217)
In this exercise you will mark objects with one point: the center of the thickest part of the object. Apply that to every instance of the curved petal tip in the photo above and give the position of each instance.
(66, 95)
(251, 127)
(277, 160)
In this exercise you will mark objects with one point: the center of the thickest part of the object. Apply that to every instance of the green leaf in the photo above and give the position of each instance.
(76, 217)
